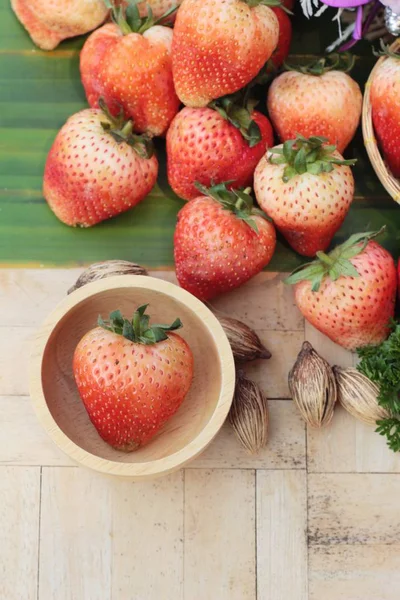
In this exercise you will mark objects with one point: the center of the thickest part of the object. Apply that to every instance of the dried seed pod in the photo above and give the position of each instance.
(313, 387)
(359, 395)
(249, 414)
(107, 268)
(245, 343)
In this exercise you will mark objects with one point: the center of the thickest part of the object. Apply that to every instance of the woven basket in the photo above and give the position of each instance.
(391, 184)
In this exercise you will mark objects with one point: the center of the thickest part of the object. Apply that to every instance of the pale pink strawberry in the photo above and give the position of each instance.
(349, 294)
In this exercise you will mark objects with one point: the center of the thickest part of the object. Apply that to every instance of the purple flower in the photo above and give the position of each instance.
(393, 4)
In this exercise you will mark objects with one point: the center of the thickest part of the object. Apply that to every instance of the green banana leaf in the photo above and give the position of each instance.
(39, 90)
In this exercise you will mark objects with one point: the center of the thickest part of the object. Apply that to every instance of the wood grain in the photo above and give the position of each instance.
(281, 535)
(19, 532)
(15, 346)
(272, 374)
(76, 532)
(353, 509)
(348, 445)
(285, 448)
(334, 354)
(359, 572)
(219, 535)
(147, 539)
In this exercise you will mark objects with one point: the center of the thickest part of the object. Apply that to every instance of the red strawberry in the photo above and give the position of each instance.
(206, 147)
(349, 295)
(131, 377)
(97, 169)
(281, 52)
(132, 70)
(315, 102)
(306, 188)
(220, 242)
(289, 4)
(219, 46)
(385, 103)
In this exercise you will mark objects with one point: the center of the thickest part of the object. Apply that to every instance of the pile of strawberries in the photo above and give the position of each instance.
(210, 55)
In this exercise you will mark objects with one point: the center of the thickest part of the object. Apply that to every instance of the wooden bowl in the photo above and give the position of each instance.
(61, 411)
(390, 183)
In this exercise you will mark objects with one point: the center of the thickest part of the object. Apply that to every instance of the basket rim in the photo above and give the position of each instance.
(389, 182)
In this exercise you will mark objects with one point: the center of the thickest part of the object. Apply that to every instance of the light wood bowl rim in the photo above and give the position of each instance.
(142, 470)
(390, 183)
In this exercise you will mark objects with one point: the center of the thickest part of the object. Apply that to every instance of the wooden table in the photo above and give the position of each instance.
(314, 517)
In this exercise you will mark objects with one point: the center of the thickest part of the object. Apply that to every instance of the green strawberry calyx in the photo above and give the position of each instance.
(239, 202)
(337, 61)
(386, 51)
(128, 17)
(238, 110)
(335, 264)
(122, 132)
(306, 155)
(270, 3)
(138, 330)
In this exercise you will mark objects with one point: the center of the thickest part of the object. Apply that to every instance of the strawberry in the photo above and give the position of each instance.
(349, 294)
(97, 168)
(306, 187)
(132, 377)
(317, 100)
(128, 62)
(212, 146)
(158, 7)
(281, 51)
(48, 23)
(219, 46)
(221, 241)
(385, 105)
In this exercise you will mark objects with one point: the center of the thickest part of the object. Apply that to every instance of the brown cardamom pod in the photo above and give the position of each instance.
(249, 414)
(313, 387)
(359, 395)
(107, 268)
(245, 343)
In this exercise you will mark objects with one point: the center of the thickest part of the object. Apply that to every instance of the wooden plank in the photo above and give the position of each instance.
(353, 509)
(23, 441)
(272, 374)
(19, 532)
(333, 353)
(285, 448)
(101, 537)
(354, 572)
(75, 535)
(264, 303)
(15, 346)
(219, 535)
(147, 534)
(281, 535)
(347, 445)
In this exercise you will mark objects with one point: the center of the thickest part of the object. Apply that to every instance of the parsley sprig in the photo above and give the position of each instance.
(381, 364)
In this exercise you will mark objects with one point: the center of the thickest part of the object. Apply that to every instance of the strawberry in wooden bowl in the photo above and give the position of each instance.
(128, 63)
(132, 377)
(126, 402)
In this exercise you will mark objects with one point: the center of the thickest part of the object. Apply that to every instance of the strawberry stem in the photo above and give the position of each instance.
(238, 109)
(343, 61)
(239, 202)
(122, 132)
(306, 155)
(138, 330)
(128, 18)
(335, 264)
(386, 51)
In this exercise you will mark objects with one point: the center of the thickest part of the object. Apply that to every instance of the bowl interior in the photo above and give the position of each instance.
(62, 396)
